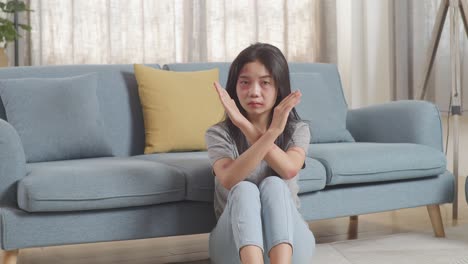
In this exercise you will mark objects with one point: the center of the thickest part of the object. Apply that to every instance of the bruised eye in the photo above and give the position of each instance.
(243, 82)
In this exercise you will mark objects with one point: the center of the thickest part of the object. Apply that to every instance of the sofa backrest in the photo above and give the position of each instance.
(118, 100)
(323, 104)
(329, 73)
(200, 66)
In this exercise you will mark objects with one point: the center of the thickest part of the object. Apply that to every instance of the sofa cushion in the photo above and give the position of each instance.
(178, 107)
(323, 107)
(374, 162)
(200, 180)
(313, 177)
(56, 118)
(196, 168)
(99, 183)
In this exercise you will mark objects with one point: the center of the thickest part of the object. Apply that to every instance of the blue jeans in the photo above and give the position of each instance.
(263, 216)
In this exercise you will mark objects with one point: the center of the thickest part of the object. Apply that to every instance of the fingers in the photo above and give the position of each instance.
(292, 97)
(283, 109)
(291, 100)
(222, 93)
(218, 88)
(227, 102)
(297, 98)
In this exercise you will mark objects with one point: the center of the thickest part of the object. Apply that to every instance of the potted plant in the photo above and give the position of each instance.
(8, 30)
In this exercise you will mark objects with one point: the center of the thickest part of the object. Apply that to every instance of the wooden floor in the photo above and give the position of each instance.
(194, 249)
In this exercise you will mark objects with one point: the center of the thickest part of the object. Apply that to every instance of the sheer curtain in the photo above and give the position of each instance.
(366, 51)
(148, 31)
(379, 46)
(382, 48)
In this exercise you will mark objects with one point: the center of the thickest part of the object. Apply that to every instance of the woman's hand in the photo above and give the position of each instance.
(230, 106)
(282, 110)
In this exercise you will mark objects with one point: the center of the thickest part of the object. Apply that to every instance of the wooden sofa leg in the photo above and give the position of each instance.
(10, 256)
(353, 227)
(436, 220)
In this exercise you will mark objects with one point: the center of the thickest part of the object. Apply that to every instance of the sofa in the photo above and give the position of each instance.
(377, 158)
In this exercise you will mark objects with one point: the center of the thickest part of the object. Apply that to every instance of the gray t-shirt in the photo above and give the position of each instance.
(221, 145)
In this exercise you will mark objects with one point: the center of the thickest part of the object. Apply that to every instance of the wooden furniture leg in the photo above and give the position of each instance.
(10, 256)
(436, 220)
(353, 227)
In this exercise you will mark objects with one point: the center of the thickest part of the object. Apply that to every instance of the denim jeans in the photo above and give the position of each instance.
(263, 216)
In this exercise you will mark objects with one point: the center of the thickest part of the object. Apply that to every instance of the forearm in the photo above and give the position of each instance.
(251, 133)
(280, 162)
(276, 158)
(241, 167)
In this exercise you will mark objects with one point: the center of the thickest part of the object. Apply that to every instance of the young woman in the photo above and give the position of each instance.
(256, 154)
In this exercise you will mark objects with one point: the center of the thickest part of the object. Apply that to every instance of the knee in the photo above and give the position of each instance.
(273, 188)
(273, 184)
(244, 189)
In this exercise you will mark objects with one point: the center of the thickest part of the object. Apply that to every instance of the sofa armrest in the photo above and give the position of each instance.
(12, 163)
(397, 122)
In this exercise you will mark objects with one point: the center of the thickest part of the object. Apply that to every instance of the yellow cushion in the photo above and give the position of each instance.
(178, 107)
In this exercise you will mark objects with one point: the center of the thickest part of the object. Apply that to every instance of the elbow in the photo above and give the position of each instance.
(227, 186)
(225, 183)
(291, 173)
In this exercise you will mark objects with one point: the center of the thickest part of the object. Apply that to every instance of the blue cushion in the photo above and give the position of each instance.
(374, 162)
(313, 177)
(200, 180)
(98, 183)
(56, 118)
(323, 107)
(196, 168)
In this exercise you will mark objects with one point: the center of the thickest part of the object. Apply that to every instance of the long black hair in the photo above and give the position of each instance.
(275, 62)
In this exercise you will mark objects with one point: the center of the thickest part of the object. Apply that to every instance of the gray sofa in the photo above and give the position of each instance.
(374, 159)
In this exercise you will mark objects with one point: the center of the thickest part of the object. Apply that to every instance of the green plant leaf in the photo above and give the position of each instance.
(25, 27)
(13, 6)
(10, 34)
(8, 31)
(5, 21)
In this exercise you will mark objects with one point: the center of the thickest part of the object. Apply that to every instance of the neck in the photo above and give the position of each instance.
(260, 122)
